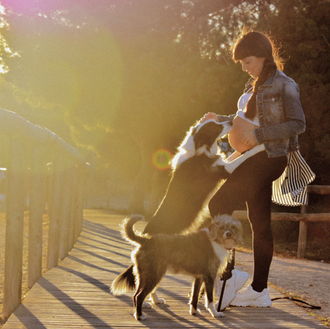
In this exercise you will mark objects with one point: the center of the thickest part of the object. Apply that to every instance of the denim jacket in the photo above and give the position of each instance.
(280, 114)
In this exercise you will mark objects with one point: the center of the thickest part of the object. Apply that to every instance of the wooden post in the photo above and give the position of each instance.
(81, 199)
(65, 210)
(73, 212)
(37, 207)
(14, 228)
(55, 214)
(302, 240)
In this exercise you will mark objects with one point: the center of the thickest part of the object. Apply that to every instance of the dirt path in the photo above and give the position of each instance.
(307, 280)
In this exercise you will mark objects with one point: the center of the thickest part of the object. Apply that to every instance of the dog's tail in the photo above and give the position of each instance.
(124, 282)
(128, 232)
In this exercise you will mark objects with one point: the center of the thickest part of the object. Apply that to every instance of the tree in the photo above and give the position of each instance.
(130, 77)
(303, 30)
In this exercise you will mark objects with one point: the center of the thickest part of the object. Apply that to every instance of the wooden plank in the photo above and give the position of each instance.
(318, 189)
(296, 217)
(76, 294)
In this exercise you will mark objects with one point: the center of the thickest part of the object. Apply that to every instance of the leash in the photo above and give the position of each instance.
(221, 294)
(306, 305)
(227, 275)
(310, 306)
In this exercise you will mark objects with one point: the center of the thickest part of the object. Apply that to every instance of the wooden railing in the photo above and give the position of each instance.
(303, 217)
(43, 172)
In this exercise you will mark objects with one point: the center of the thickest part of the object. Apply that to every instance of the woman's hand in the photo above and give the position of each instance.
(209, 116)
(249, 139)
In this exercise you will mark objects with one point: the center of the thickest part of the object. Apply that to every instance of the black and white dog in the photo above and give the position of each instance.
(202, 254)
(197, 171)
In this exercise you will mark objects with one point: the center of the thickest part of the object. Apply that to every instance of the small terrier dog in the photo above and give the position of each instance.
(202, 254)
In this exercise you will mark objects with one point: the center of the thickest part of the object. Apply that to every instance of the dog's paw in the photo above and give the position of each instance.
(159, 301)
(217, 314)
(213, 311)
(142, 317)
(194, 311)
(156, 300)
(146, 305)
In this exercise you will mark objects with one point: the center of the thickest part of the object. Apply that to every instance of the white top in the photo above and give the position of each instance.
(241, 105)
(290, 189)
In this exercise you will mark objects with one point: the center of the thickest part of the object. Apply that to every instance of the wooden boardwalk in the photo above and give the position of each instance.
(76, 294)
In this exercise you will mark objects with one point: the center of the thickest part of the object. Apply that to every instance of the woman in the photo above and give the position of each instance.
(269, 113)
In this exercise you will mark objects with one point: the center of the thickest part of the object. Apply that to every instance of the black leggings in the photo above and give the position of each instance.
(251, 183)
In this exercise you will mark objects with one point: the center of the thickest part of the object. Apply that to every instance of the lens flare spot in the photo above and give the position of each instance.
(161, 159)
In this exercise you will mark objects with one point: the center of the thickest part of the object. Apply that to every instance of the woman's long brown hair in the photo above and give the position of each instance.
(253, 43)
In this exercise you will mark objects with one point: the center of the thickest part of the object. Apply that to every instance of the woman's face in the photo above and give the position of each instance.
(253, 65)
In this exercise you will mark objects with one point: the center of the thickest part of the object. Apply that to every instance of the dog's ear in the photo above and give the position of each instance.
(213, 231)
(216, 229)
